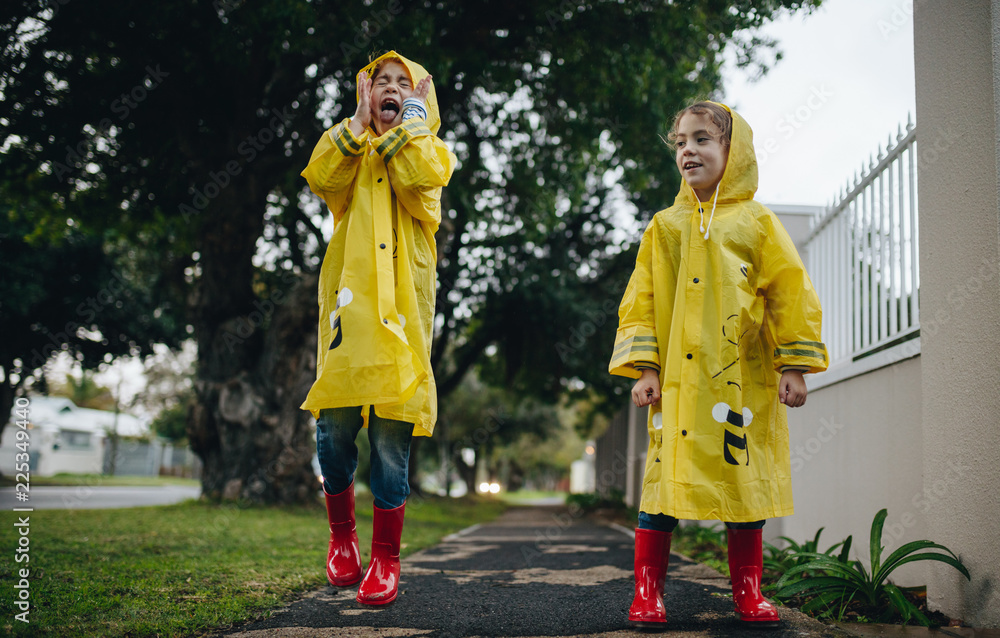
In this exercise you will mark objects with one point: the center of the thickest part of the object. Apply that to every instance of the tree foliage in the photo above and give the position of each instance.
(85, 392)
(171, 423)
(176, 131)
(493, 422)
(169, 391)
(66, 289)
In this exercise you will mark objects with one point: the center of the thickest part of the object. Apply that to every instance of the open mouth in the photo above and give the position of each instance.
(688, 165)
(389, 109)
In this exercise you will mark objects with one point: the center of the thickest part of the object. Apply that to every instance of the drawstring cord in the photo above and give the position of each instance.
(701, 211)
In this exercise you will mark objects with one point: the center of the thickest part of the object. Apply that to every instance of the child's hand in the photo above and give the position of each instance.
(646, 390)
(423, 88)
(792, 389)
(363, 114)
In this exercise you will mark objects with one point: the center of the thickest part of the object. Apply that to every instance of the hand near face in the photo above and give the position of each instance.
(363, 114)
(423, 88)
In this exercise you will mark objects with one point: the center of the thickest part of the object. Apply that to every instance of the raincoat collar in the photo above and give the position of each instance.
(739, 180)
(417, 73)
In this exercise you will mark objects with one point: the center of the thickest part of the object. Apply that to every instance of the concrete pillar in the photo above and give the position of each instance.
(956, 61)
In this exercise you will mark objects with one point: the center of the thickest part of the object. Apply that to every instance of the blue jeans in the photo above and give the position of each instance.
(667, 523)
(336, 430)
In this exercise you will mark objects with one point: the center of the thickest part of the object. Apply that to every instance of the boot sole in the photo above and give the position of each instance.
(344, 584)
(645, 625)
(760, 624)
(375, 603)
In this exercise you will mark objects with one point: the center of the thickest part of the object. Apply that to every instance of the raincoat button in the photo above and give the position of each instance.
(695, 280)
(381, 245)
(684, 432)
(380, 180)
(690, 356)
(385, 321)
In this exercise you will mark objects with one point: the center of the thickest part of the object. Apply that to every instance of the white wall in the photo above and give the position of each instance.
(955, 54)
(51, 461)
(857, 447)
(797, 220)
(62, 461)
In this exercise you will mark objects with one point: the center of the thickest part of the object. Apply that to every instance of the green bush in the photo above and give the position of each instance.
(614, 500)
(830, 585)
(706, 545)
(778, 561)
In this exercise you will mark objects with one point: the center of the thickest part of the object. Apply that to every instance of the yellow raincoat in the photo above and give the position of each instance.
(720, 318)
(377, 283)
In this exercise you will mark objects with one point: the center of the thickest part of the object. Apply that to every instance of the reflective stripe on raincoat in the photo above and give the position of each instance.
(720, 318)
(377, 283)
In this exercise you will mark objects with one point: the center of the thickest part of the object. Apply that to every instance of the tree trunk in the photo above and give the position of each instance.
(256, 363)
(467, 472)
(255, 442)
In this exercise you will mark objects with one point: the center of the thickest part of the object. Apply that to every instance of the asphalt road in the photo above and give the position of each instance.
(536, 571)
(96, 496)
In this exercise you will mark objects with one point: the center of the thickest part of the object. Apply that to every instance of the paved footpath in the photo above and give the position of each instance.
(535, 571)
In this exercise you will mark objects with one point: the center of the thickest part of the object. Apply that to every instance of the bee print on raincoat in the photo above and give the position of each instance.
(719, 442)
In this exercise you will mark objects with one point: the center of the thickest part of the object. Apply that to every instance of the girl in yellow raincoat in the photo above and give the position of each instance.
(381, 173)
(718, 323)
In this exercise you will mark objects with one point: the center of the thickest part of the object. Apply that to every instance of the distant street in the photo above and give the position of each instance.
(97, 496)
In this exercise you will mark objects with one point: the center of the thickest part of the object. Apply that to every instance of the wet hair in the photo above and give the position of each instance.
(720, 118)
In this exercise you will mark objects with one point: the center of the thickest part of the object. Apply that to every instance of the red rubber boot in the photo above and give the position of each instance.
(381, 581)
(746, 562)
(652, 552)
(343, 559)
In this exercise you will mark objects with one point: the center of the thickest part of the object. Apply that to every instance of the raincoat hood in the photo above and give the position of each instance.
(417, 73)
(739, 180)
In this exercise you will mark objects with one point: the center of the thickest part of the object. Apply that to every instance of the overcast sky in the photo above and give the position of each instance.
(845, 83)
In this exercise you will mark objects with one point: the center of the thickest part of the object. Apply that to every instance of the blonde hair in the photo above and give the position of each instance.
(382, 63)
(720, 118)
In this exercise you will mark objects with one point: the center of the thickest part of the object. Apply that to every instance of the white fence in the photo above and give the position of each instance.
(864, 262)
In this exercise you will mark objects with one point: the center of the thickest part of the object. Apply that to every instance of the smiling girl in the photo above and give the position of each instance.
(718, 323)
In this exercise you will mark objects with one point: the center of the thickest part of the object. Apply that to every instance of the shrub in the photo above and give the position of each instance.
(779, 561)
(833, 583)
(614, 500)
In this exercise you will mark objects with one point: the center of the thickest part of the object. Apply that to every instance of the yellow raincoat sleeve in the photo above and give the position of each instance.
(419, 166)
(334, 165)
(635, 341)
(794, 318)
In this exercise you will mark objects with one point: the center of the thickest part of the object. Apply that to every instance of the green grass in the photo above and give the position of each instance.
(191, 568)
(94, 480)
(705, 545)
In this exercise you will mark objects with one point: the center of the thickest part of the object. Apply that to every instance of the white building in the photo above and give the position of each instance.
(64, 438)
